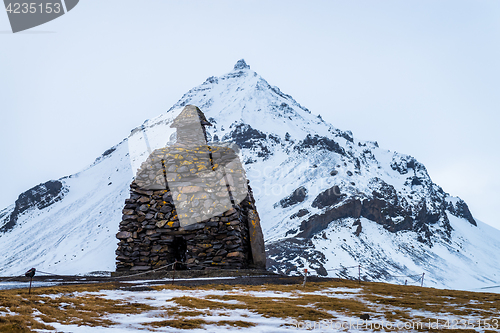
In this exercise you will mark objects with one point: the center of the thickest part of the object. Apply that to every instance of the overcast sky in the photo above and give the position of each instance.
(419, 77)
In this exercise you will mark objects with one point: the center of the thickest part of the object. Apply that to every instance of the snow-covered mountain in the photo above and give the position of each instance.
(326, 199)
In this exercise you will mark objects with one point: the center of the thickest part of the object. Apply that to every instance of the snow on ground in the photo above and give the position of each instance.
(218, 319)
(163, 299)
(159, 299)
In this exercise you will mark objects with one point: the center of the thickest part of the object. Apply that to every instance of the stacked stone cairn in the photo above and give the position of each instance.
(190, 203)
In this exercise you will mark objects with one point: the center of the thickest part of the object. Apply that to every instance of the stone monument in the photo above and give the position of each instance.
(190, 204)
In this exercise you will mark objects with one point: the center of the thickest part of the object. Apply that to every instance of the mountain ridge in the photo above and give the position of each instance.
(309, 179)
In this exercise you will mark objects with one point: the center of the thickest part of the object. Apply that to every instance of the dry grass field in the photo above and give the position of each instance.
(116, 307)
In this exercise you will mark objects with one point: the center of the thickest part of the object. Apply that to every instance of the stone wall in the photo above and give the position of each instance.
(151, 235)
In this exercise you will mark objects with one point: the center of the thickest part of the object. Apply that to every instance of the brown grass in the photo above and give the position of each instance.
(66, 309)
(185, 324)
(380, 300)
(434, 300)
(278, 308)
(237, 323)
(20, 324)
(201, 303)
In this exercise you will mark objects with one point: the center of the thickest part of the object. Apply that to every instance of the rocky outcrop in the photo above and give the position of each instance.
(392, 217)
(300, 213)
(316, 141)
(327, 198)
(298, 251)
(40, 196)
(296, 197)
(359, 227)
(462, 210)
(319, 222)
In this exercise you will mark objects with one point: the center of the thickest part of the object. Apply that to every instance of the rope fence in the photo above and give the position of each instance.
(117, 278)
(110, 278)
(12, 278)
(420, 276)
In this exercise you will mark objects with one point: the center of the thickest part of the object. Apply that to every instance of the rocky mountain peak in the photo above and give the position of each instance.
(241, 64)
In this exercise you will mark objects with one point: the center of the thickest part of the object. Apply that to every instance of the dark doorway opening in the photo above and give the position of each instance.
(179, 246)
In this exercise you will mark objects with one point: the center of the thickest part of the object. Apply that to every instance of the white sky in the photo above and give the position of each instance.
(419, 77)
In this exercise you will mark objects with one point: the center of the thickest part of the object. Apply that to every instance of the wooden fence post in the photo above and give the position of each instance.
(173, 275)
